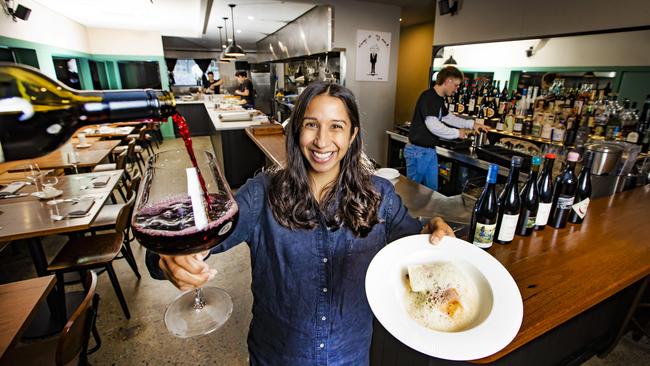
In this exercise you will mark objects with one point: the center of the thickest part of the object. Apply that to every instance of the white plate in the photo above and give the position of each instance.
(42, 195)
(83, 146)
(388, 173)
(501, 305)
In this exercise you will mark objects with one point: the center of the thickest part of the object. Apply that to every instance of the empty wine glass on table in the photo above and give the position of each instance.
(185, 208)
(33, 174)
(48, 181)
(73, 159)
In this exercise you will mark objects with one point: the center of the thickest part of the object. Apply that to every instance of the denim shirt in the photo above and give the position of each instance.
(310, 305)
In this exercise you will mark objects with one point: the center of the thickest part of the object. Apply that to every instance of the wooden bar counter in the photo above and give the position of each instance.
(561, 273)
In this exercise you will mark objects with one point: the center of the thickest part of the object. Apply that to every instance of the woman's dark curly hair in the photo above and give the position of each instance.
(292, 202)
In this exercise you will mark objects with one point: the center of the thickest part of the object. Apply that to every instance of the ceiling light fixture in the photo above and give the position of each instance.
(224, 56)
(250, 17)
(234, 49)
(222, 60)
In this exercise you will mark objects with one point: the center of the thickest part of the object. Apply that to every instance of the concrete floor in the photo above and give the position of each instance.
(144, 340)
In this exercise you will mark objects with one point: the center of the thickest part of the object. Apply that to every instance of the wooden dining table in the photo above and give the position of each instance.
(89, 157)
(106, 132)
(30, 218)
(19, 302)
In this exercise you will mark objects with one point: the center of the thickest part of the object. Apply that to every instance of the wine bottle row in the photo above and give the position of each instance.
(542, 201)
(566, 116)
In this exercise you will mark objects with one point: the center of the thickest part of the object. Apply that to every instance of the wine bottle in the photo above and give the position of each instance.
(564, 193)
(545, 191)
(509, 205)
(38, 114)
(484, 216)
(529, 201)
(583, 193)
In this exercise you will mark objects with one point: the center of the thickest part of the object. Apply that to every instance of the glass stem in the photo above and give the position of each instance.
(198, 299)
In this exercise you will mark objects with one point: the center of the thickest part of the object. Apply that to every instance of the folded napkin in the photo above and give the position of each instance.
(12, 188)
(100, 180)
(77, 208)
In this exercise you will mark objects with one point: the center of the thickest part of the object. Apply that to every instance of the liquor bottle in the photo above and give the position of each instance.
(582, 133)
(38, 114)
(480, 116)
(501, 122)
(564, 192)
(484, 216)
(509, 121)
(451, 104)
(509, 204)
(545, 191)
(529, 201)
(471, 103)
(519, 125)
(583, 193)
(460, 102)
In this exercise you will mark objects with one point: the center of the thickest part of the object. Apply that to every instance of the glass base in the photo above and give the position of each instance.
(183, 320)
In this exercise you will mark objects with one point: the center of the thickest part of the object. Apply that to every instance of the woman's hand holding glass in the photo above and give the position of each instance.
(438, 229)
(187, 272)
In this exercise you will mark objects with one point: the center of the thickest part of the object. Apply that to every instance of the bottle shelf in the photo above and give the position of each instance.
(528, 138)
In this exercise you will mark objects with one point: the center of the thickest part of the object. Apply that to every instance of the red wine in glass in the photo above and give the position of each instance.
(173, 216)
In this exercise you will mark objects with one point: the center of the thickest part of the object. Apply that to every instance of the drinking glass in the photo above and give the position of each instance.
(175, 216)
(73, 159)
(48, 181)
(34, 172)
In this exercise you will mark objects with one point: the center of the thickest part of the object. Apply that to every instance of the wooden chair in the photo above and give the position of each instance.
(92, 252)
(108, 216)
(71, 346)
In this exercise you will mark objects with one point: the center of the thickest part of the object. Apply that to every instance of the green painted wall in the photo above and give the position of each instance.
(45, 53)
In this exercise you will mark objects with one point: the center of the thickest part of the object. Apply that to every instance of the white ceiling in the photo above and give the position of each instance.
(183, 18)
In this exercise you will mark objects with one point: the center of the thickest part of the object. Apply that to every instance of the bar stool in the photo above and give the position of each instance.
(93, 252)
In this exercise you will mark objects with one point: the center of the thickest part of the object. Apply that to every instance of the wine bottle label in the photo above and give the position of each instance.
(484, 235)
(502, 108)
(470, 107)
(460, 108)
(542, 214)
(451, 108)
(499, 126)
(530, 223)
(580, 208)
(508, 227)
(565, 202)
(489, 112)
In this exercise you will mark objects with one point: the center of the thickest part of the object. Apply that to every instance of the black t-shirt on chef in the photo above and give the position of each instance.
(429, 104)
(248, 84)
(208, 83)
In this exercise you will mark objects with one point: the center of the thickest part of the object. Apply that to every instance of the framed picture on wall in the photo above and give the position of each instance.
(373, 55)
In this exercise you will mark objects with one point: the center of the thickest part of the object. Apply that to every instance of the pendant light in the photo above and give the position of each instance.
(234, 49)
(224, 56)
(221, 60)
(450, 61)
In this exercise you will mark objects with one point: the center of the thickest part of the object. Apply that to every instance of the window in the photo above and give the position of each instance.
(187, 72)
(67, 72)
(139, 74)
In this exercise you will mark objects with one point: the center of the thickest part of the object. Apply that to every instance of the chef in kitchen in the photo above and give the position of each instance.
(431, 121)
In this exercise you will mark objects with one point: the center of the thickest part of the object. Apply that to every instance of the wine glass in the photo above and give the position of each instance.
(34, 174)
(73, 159)
(49, 180)
(172, 216)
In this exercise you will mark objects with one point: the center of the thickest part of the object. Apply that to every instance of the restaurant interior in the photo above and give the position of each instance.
(74, 282)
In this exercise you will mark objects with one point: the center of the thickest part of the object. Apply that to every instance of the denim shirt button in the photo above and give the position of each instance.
(322, 345)
(323, 318)
(324, 289)
(324, 260)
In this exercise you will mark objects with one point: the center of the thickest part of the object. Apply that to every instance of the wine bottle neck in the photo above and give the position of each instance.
(127, 105)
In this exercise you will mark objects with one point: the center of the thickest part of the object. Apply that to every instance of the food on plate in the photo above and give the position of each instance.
(441, 297)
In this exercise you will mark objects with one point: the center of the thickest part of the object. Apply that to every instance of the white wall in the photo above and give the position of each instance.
(483, 21)
(124, 42)
(613, 49)
(376, 99)
(46, 27)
